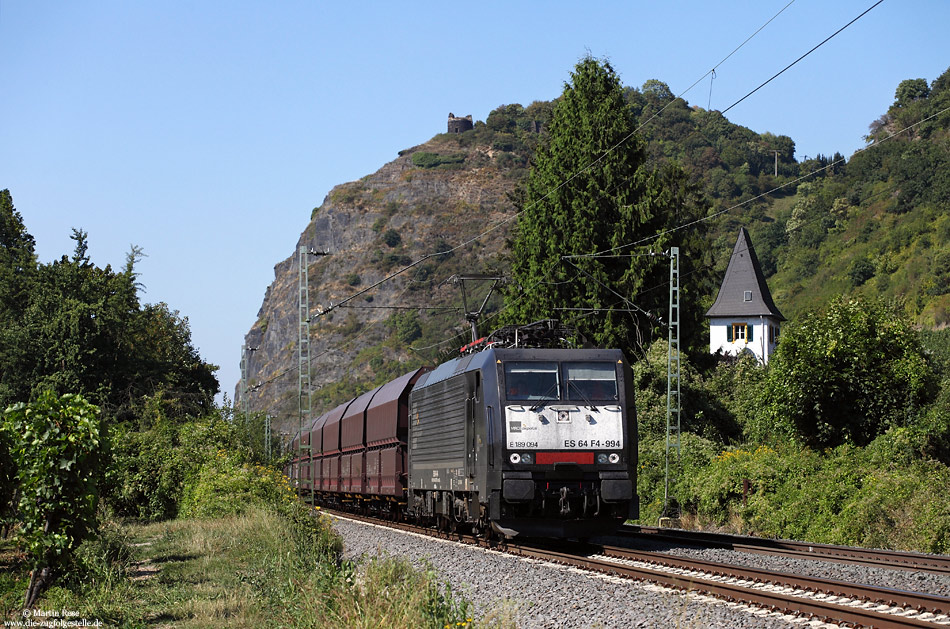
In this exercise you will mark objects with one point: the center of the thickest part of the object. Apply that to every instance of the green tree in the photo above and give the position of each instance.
(55, 447)
(589, 191)
(657, 90)
(82, 330)
(78, 323)
(844, 375)
(17, 270)
(910, 90)
(17, 255)
(165, 367)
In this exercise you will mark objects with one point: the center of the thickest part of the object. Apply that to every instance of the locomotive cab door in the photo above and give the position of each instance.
(470, 433)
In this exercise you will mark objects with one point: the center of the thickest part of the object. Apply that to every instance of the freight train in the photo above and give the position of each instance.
(504, 440)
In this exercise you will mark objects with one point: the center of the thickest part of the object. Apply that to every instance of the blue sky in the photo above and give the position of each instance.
(206, 132)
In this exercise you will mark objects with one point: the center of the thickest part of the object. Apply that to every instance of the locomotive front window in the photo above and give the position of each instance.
(531, 381)
(591, 381)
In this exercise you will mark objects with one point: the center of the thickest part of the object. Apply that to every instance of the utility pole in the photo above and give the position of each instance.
(673, 375)
(303, 356)
(244, 404)
(776, 162)
(303, 359)
(267, 444)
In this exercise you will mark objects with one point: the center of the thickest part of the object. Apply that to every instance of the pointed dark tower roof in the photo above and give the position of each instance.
(744, 292)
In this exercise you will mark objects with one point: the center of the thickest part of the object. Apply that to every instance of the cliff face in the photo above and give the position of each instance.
(430, 199)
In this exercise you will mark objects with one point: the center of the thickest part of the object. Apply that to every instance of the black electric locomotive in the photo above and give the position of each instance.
(525, 441)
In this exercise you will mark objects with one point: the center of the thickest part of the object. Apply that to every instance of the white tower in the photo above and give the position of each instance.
(744, 317)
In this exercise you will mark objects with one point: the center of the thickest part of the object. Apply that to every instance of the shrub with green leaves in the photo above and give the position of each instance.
(844, 374)
(423, 159)
(883, 495)
(56, 448)
(392, 238)
(226, 485)
(694, 455)
(703, 408)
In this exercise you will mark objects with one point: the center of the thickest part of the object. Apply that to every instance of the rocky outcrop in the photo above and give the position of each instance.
(372, 228)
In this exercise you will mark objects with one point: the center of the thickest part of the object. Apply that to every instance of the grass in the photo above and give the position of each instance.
(187, 573)
(246, 570)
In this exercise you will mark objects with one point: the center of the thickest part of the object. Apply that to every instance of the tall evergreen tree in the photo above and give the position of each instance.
(17, 270)
(17, 255)
(590, 191)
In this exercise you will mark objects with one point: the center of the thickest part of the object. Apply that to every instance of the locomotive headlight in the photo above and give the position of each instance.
(602, 458)
(614, 457)
(527, 459)
(515, 457)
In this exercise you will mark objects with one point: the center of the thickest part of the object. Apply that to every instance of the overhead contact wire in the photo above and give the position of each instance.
(866, 11)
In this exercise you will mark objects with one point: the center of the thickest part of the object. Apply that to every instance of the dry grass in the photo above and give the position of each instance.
(250, 571)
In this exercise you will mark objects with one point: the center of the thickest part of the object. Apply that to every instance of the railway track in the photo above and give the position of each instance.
(824, 599)
(888, 559)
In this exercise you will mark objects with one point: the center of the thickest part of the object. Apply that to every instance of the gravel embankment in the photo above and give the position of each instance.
(546, 595)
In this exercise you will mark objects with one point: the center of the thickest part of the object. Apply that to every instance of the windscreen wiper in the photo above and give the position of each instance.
(544, 400)
(570, 383)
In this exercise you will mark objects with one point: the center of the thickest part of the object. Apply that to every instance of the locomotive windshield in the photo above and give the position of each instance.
(591, 381)
(532, 381)
(582, 381)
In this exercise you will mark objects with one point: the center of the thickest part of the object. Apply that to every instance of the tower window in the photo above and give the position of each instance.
(747, 296)
(739, 332)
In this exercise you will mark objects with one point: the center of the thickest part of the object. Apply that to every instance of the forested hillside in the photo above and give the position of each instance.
(872, 224)
(878, 224)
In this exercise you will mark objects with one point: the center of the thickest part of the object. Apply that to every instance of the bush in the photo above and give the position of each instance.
(422, 159)
(844, 375)
(392, 238)
(694, 456)
(861, 271)
(145, 478)
(406, 326)
(389, 260)
(702, 411)
(881, 496)
(150, 469)
(225, 485)
(56, 450)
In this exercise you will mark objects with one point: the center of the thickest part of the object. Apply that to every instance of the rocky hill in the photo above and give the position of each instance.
(428, 200)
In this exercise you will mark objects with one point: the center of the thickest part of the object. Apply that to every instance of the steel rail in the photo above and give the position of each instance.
(889, 559)
(777, 601)
(892, 597)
